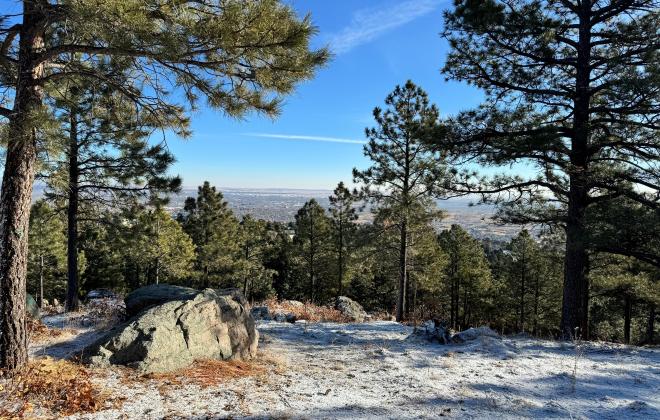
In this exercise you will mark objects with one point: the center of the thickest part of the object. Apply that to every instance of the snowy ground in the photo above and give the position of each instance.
(374, 370)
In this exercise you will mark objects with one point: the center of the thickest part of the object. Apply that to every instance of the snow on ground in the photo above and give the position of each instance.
(374, 370)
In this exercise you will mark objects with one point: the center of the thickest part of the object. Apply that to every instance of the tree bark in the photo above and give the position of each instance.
(650, 326)
(403, 268)
(312, 255)
(627, 315)
(41, 282)
(16, 195)
(574, 321)
(522, 292)
(341, 255)
(72, 216)
(537, 292)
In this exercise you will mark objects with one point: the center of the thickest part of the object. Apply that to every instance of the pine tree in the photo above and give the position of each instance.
(523, 271)
(311, 240)
(239, 56)
(215, 232)
(571, 87)
(105, 159)
(468, 276)
(622, 287)
(256, 240)
(405, 169)
(343, 215)
(47, 256)
(162, 246)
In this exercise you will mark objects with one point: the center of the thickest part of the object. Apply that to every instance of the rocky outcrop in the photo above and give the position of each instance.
(350, 309)
(172, 326)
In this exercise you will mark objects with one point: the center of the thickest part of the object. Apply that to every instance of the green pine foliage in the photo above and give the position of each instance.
(47, 257)
(313, 260)
(468, 279)
(406, 170)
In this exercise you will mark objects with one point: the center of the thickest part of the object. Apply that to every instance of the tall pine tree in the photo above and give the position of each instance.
(105, 159)
(405, 169)
(343, 215)
(239, 56)
(572, 87)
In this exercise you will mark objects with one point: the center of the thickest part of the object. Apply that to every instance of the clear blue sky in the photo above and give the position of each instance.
(377, 44)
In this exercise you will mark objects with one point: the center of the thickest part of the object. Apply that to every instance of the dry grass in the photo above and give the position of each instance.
(55, 387)
(38, 332)
(210, 373)
(307, 311)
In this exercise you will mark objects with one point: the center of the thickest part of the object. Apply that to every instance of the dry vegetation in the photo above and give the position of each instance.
(307, 311)
(58, 387)
(209, 373)
(38, 332)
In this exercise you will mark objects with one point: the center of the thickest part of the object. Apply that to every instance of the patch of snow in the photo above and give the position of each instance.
(372, 370)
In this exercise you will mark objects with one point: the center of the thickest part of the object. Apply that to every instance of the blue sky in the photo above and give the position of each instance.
(317, 139)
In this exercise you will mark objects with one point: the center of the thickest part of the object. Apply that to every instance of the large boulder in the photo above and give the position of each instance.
(177, 327)
(350, 309)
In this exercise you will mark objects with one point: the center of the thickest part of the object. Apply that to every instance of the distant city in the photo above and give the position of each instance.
(281, 205)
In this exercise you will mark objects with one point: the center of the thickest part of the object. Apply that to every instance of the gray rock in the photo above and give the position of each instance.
(285, 317)
(260, 312)
(350, 309)
(294, 303)
(155, 294)
(31, 306)
(434, 331)
(171, 335)
(474, 333)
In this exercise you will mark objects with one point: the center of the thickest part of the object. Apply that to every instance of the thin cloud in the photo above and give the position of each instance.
(305, 138)
(369, 24)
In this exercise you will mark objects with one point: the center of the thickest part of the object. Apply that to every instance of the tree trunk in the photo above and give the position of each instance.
(537, 292)
(341, 256)
(41, 282)
(16, 195)
(72, 216)
(627, 315)
(403, 267)
(650, 326)
(522, 293)
(158, 249)
(574, 320)
(465, 309)
(312, 255)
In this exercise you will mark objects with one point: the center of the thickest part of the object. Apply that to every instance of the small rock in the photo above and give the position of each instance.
(31, 306)
(433, 330)
(284, 317)
(260, 312)
(294, 303)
